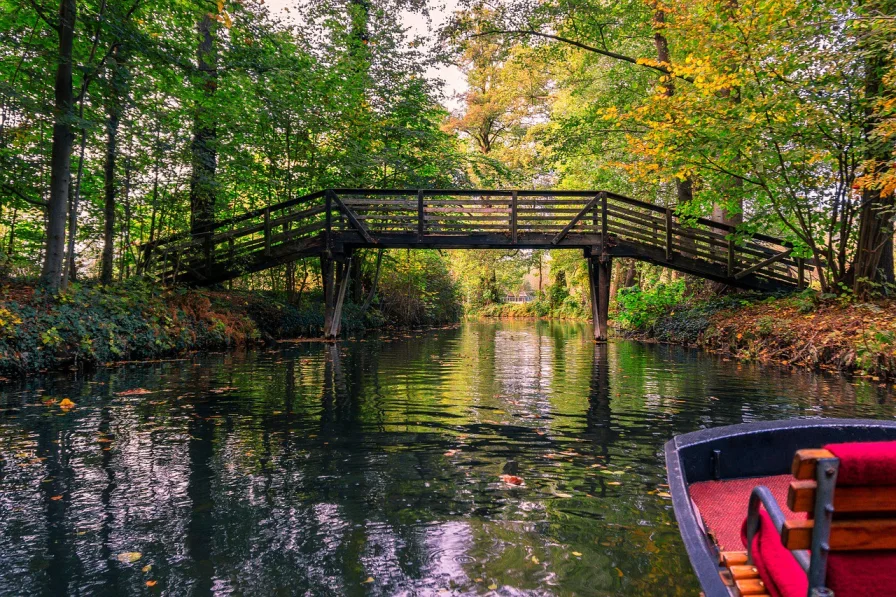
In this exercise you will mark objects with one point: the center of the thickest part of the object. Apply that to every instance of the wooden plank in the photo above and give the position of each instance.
(668, 234)
(804, 462)
(743, 572)
(352, 219)
(421, 219)
(731, 256)
(513, 216)
(801, 498)
(733, 558)
(751, 586)
(762, 264)
(641, 222)
(603, 219)
(573, 222)
(267, 232)
(846, 535)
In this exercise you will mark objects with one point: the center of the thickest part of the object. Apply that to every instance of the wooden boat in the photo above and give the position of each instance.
(818, 516)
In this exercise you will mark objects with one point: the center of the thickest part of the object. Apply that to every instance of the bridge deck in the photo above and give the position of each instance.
(337, 221)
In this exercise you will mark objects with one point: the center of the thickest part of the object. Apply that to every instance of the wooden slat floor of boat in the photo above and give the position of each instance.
(741, 578)
(723, 505)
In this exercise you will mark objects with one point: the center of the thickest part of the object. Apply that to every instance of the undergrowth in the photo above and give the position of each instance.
(89, 324)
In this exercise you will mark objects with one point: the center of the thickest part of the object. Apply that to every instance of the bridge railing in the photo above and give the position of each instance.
(517, 216)
(499, 218)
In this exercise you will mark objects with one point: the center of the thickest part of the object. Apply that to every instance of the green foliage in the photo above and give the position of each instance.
(640, 309)
(417, 289)
(91, 324)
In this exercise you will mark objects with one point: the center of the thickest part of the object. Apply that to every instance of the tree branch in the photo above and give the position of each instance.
(663, 69)
(23, 196)
(43, 16)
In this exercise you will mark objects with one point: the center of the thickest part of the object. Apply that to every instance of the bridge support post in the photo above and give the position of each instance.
(345, 280)
(600, 269)
(326, 276)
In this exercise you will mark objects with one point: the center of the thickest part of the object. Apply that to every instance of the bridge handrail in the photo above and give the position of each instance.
(363, 217)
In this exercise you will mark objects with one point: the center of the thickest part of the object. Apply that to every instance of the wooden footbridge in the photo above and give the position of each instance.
(332, 224)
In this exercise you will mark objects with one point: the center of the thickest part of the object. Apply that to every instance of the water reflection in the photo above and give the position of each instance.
(373, 467)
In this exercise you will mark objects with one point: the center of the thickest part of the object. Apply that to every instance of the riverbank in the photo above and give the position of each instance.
(568, 310)
(802, 330)
(92, 324)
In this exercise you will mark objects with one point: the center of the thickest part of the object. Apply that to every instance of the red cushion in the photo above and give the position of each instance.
(782, 574)
(865, 463)
(862, 573)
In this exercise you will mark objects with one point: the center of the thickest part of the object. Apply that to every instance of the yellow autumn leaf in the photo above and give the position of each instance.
(66, 404)
(129, 557)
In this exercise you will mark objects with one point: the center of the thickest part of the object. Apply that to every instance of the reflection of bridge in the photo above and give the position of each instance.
(332, 224)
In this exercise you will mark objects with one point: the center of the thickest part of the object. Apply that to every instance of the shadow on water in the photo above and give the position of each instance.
(374, 466)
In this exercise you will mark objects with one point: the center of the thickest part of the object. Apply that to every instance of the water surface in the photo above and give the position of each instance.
(374, 466)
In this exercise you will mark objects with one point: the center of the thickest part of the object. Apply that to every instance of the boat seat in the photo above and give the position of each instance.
(846, 542)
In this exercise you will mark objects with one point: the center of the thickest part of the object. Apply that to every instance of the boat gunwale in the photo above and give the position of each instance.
(701, 551)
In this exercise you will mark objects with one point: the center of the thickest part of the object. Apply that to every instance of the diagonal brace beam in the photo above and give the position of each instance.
(562, 234)
(352, 218)
(762, 264)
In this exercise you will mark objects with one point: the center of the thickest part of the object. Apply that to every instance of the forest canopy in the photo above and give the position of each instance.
(123, 122)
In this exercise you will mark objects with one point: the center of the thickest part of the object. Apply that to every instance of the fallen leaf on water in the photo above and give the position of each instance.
(369, 580)
(539, 432)
(66, 404)
(664, 494)
(104, 440)
(614, 483)
(534, 560)
(147, 568)
(477, 580)
(129, 557)
(560, 494)
(492, 587)
(133, 392)
(56, 498)
(577, 554)
(151, 583)
(512, 479)
(451, 452)
(619, 572)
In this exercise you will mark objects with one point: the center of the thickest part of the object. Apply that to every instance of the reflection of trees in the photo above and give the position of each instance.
(200, 527)
(326, 464)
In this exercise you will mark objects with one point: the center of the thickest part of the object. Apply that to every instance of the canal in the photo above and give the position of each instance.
(512, 458)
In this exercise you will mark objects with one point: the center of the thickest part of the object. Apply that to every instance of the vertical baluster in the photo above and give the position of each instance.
(731, 256)
(328, 218)
(668, 234)
(421, 222)
(267, 231)
(513, 232)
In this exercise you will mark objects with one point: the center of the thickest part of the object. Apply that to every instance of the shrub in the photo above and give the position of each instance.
(640, 309)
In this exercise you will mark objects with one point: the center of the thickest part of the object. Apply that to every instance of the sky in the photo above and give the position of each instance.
(439, 11)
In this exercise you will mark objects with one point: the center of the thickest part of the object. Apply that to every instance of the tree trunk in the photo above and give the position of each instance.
(204, 152)
(60, 157)
(373, 284)
(114, 109)
(875, 227)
